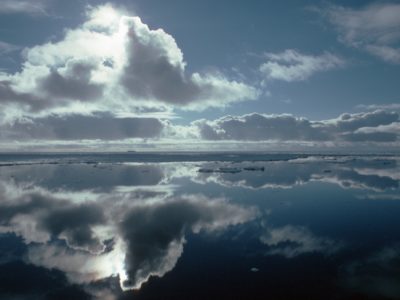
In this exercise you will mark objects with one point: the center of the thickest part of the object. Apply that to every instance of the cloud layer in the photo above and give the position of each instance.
(100, 126)
(377, 126)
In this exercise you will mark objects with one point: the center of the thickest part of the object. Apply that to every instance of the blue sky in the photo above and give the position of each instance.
(321, 62)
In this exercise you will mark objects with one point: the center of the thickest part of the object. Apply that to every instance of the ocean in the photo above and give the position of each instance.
(192, 225)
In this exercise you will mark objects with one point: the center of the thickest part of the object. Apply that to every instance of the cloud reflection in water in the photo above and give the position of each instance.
(125, 223)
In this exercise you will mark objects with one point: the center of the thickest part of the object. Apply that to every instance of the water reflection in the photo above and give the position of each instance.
(291, 241)
(376, 275)
(102, 177)
(100, 230)
(374, 174)
(112, 234)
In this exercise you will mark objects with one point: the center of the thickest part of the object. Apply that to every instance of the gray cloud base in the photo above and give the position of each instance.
(260, 127)
(77, 127)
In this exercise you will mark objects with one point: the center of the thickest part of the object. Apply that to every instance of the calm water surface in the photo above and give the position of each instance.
(199, 227)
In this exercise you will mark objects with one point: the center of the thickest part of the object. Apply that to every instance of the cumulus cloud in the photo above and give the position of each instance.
(374, 28)
(377, 126)
(291, 65)
(111, 78)
(113, 63)
(155, 69)
(257, 127)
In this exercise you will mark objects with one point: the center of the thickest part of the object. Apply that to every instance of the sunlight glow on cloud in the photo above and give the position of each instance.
(114, 63)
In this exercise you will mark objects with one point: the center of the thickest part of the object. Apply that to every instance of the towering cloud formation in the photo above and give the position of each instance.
(115, 63)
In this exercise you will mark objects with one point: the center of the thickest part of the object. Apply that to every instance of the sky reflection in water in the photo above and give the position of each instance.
(315, 227)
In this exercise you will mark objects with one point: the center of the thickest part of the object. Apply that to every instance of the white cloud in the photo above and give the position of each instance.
(112, 63)
(374, 28)
(291, 65)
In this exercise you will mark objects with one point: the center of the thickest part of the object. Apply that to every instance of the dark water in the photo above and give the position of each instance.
(226, 226)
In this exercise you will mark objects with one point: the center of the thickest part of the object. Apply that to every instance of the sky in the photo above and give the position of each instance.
(199, 75)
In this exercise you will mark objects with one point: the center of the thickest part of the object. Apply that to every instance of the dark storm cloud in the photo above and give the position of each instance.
(77, 127)
(259, 127)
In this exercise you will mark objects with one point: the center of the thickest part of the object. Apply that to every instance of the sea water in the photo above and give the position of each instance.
(199, 226)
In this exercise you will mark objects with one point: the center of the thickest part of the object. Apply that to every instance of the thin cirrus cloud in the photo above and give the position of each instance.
(37, 7)
(373, 28)
(390, 106)
(113, 63)
(291, 65)
(6, 48)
